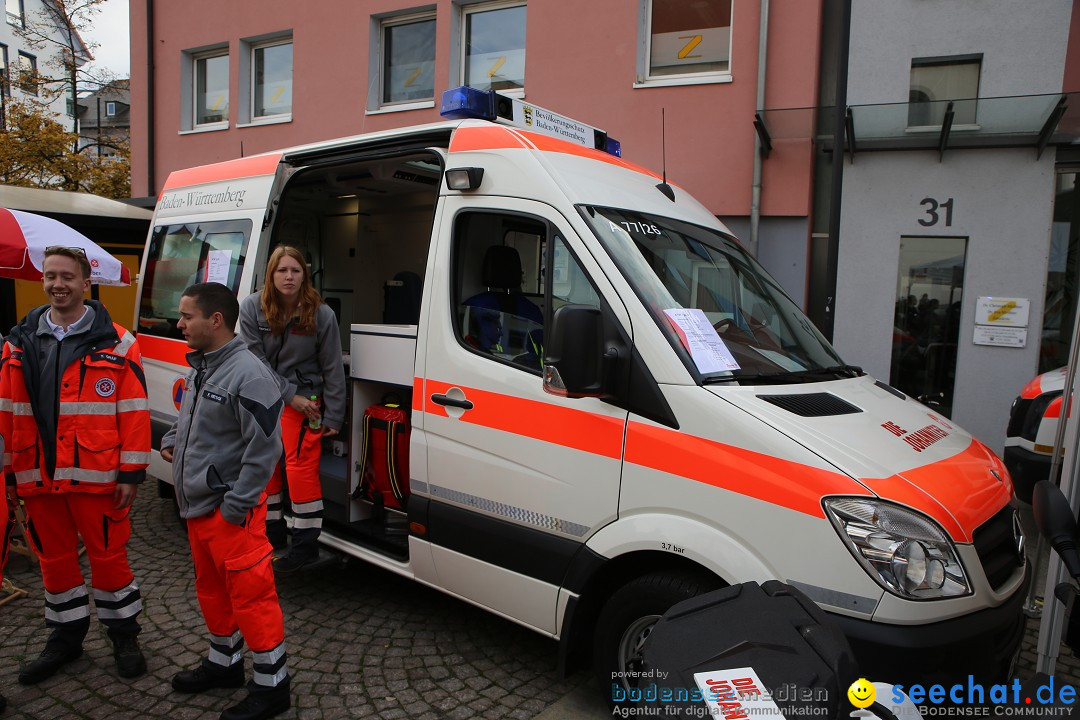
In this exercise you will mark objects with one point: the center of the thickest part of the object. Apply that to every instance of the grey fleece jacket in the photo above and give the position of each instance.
(227, 437)
(305, 364)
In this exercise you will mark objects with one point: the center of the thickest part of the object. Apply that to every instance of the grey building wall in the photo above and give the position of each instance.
(1002, 198)
(782, 250)
(1003, 205)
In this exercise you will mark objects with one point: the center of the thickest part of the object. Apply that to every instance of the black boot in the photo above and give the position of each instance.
(203, 678)
(51, 659)
(260, 703)
(130, 662)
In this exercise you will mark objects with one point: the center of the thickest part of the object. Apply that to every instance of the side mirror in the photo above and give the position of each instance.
(1056, 523)
(573, 355)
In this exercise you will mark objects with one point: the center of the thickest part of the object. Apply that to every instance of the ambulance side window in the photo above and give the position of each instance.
(498, 284)
(569, 283)
(182, 255)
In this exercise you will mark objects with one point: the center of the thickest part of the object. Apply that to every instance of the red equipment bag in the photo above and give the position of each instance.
(384, 477)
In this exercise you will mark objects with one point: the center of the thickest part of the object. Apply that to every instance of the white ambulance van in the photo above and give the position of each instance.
(613, 407)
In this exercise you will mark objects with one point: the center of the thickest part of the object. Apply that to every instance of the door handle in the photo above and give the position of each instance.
(452, 402)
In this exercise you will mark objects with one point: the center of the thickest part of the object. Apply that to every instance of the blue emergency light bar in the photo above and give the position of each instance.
(462, 103)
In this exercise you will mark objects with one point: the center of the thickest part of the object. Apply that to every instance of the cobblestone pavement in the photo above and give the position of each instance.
(363, 643)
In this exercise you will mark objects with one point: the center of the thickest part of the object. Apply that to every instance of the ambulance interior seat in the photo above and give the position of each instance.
(401, 299)
(501, 274)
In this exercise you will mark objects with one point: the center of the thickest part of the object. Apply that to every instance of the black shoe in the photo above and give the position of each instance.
(260, 704)
(294, 562)
(200, 679)
(48, 662)
(130, 662)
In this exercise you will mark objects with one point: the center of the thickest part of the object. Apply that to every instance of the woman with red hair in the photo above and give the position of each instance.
(296, 335)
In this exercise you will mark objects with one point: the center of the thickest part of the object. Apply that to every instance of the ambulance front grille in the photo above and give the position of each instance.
(997, 544)
(812, 404)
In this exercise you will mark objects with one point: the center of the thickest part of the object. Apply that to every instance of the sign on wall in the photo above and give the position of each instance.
(1001, 321)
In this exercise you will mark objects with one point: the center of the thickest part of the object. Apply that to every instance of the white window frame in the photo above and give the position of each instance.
(188, 102)
(32, 60)
(5, 72)
(110, 109)
(376, 60)
(941, 61)
(248, 47)
(19, 20)
(644, 59)
(464, 9)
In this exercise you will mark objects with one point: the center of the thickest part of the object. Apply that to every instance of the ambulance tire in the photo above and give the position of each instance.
(629, 616)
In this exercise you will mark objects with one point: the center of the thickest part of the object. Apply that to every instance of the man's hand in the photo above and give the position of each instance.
(328, 431)
(167, 454)
(125, 494)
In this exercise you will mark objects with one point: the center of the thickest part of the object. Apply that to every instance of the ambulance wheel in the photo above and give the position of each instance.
(628, 618)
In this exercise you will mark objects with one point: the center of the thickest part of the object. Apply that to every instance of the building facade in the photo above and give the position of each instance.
(951, 268)
(676, 82)
(105, 118)
(22, 65)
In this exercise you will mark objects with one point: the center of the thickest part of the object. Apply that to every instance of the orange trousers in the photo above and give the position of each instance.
(298, 469)
(55, 523)
(234, 581)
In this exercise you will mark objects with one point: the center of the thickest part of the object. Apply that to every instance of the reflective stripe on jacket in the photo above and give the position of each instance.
(101, 415)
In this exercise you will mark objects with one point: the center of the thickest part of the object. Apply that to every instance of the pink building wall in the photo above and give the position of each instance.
(580, 61)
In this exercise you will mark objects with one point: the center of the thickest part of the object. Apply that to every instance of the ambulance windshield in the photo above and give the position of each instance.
(720, 310)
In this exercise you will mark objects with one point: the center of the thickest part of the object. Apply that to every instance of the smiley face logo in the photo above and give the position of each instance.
(862, 693)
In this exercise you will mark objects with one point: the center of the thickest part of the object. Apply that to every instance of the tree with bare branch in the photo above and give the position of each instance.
(57, 29)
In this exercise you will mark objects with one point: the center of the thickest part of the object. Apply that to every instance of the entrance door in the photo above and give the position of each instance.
(518, 479)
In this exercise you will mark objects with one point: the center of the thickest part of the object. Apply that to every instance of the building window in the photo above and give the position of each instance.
(28, 75)
(15, 14)
(926, 326)
(5, 86)
(685, 40)
(407, 60)
(110, 109)
(493, 46)
(211, 88)
(937, 81)
(271, 79)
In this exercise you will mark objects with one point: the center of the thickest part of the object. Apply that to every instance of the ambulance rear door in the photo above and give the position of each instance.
(517, 479)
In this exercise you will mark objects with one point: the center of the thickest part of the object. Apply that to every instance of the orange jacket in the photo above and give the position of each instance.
(96, 432)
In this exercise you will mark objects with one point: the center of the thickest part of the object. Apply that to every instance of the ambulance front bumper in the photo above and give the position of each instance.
(983, 644)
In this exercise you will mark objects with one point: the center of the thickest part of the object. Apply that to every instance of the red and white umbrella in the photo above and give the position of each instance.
(24, 237)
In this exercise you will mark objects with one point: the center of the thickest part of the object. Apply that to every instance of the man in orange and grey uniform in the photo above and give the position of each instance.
(5, 537)
(73, 411)
(223, 447)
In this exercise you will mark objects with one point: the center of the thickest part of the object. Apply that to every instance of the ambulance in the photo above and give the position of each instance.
(611, 406)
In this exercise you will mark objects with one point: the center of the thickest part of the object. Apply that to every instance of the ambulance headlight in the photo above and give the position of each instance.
(904, 551)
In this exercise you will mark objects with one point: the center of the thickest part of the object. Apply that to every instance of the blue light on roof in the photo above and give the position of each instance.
(462, 103)
(465, 103)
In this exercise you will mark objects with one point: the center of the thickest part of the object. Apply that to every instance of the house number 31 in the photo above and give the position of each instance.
(933, 212)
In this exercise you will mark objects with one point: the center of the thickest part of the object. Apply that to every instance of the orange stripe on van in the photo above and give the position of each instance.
(164, 350)
(1032, 389)
(780, 482)
(229, 170)
(494, 137)
(547, 143)
(501, 138)
(961, 484)
(589, 432)
(1053, 410)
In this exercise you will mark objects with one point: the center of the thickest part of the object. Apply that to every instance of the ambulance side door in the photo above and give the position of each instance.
(518, 478)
